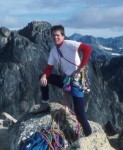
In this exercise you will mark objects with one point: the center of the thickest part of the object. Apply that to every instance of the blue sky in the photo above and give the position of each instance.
(99, 18)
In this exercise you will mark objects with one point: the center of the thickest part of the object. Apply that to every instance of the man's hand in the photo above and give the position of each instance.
(43, 80)
(76, 73)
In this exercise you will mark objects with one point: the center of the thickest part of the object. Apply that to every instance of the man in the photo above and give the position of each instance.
(65, 53)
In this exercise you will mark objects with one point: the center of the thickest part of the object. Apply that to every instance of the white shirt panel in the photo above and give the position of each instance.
(69, 49)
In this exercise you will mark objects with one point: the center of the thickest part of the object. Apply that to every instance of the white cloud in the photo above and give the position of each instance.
(97, 18)
(104, 3)
(55, 4)
(76, 15)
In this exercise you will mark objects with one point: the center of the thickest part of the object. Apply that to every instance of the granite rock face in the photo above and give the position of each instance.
(21, 62)
(59, 117)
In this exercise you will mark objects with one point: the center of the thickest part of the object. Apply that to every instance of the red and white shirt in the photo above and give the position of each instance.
(69, 50)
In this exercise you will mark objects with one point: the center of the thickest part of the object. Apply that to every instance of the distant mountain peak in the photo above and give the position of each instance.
(75, 36)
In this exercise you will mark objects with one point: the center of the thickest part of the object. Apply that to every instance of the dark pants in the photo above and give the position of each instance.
(78, 102)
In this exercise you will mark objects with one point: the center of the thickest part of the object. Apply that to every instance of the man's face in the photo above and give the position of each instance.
(57, 37)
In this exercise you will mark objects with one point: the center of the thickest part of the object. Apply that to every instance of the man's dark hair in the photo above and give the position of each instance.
(58, 27)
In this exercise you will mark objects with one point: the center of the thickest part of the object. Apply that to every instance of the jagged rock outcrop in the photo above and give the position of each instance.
(38, 33)
(21, 63)
(112, 73)
(4, 35)
(59, 116)
(100, 99)
(108, 76)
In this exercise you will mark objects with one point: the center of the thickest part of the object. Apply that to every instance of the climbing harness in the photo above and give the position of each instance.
(82, 81)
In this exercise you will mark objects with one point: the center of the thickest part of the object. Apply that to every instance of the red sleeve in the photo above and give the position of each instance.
(86, 50)
(48, 70)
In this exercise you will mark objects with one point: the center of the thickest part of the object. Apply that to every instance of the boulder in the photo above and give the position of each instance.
(63, 118)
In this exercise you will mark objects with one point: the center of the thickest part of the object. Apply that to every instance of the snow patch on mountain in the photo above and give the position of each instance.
(115, 54)
(105, 48)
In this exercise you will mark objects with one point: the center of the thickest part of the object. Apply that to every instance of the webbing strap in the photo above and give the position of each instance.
(83, 76)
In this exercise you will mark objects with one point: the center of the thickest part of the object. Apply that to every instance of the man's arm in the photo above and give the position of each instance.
(86, 50)
(47, 72)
